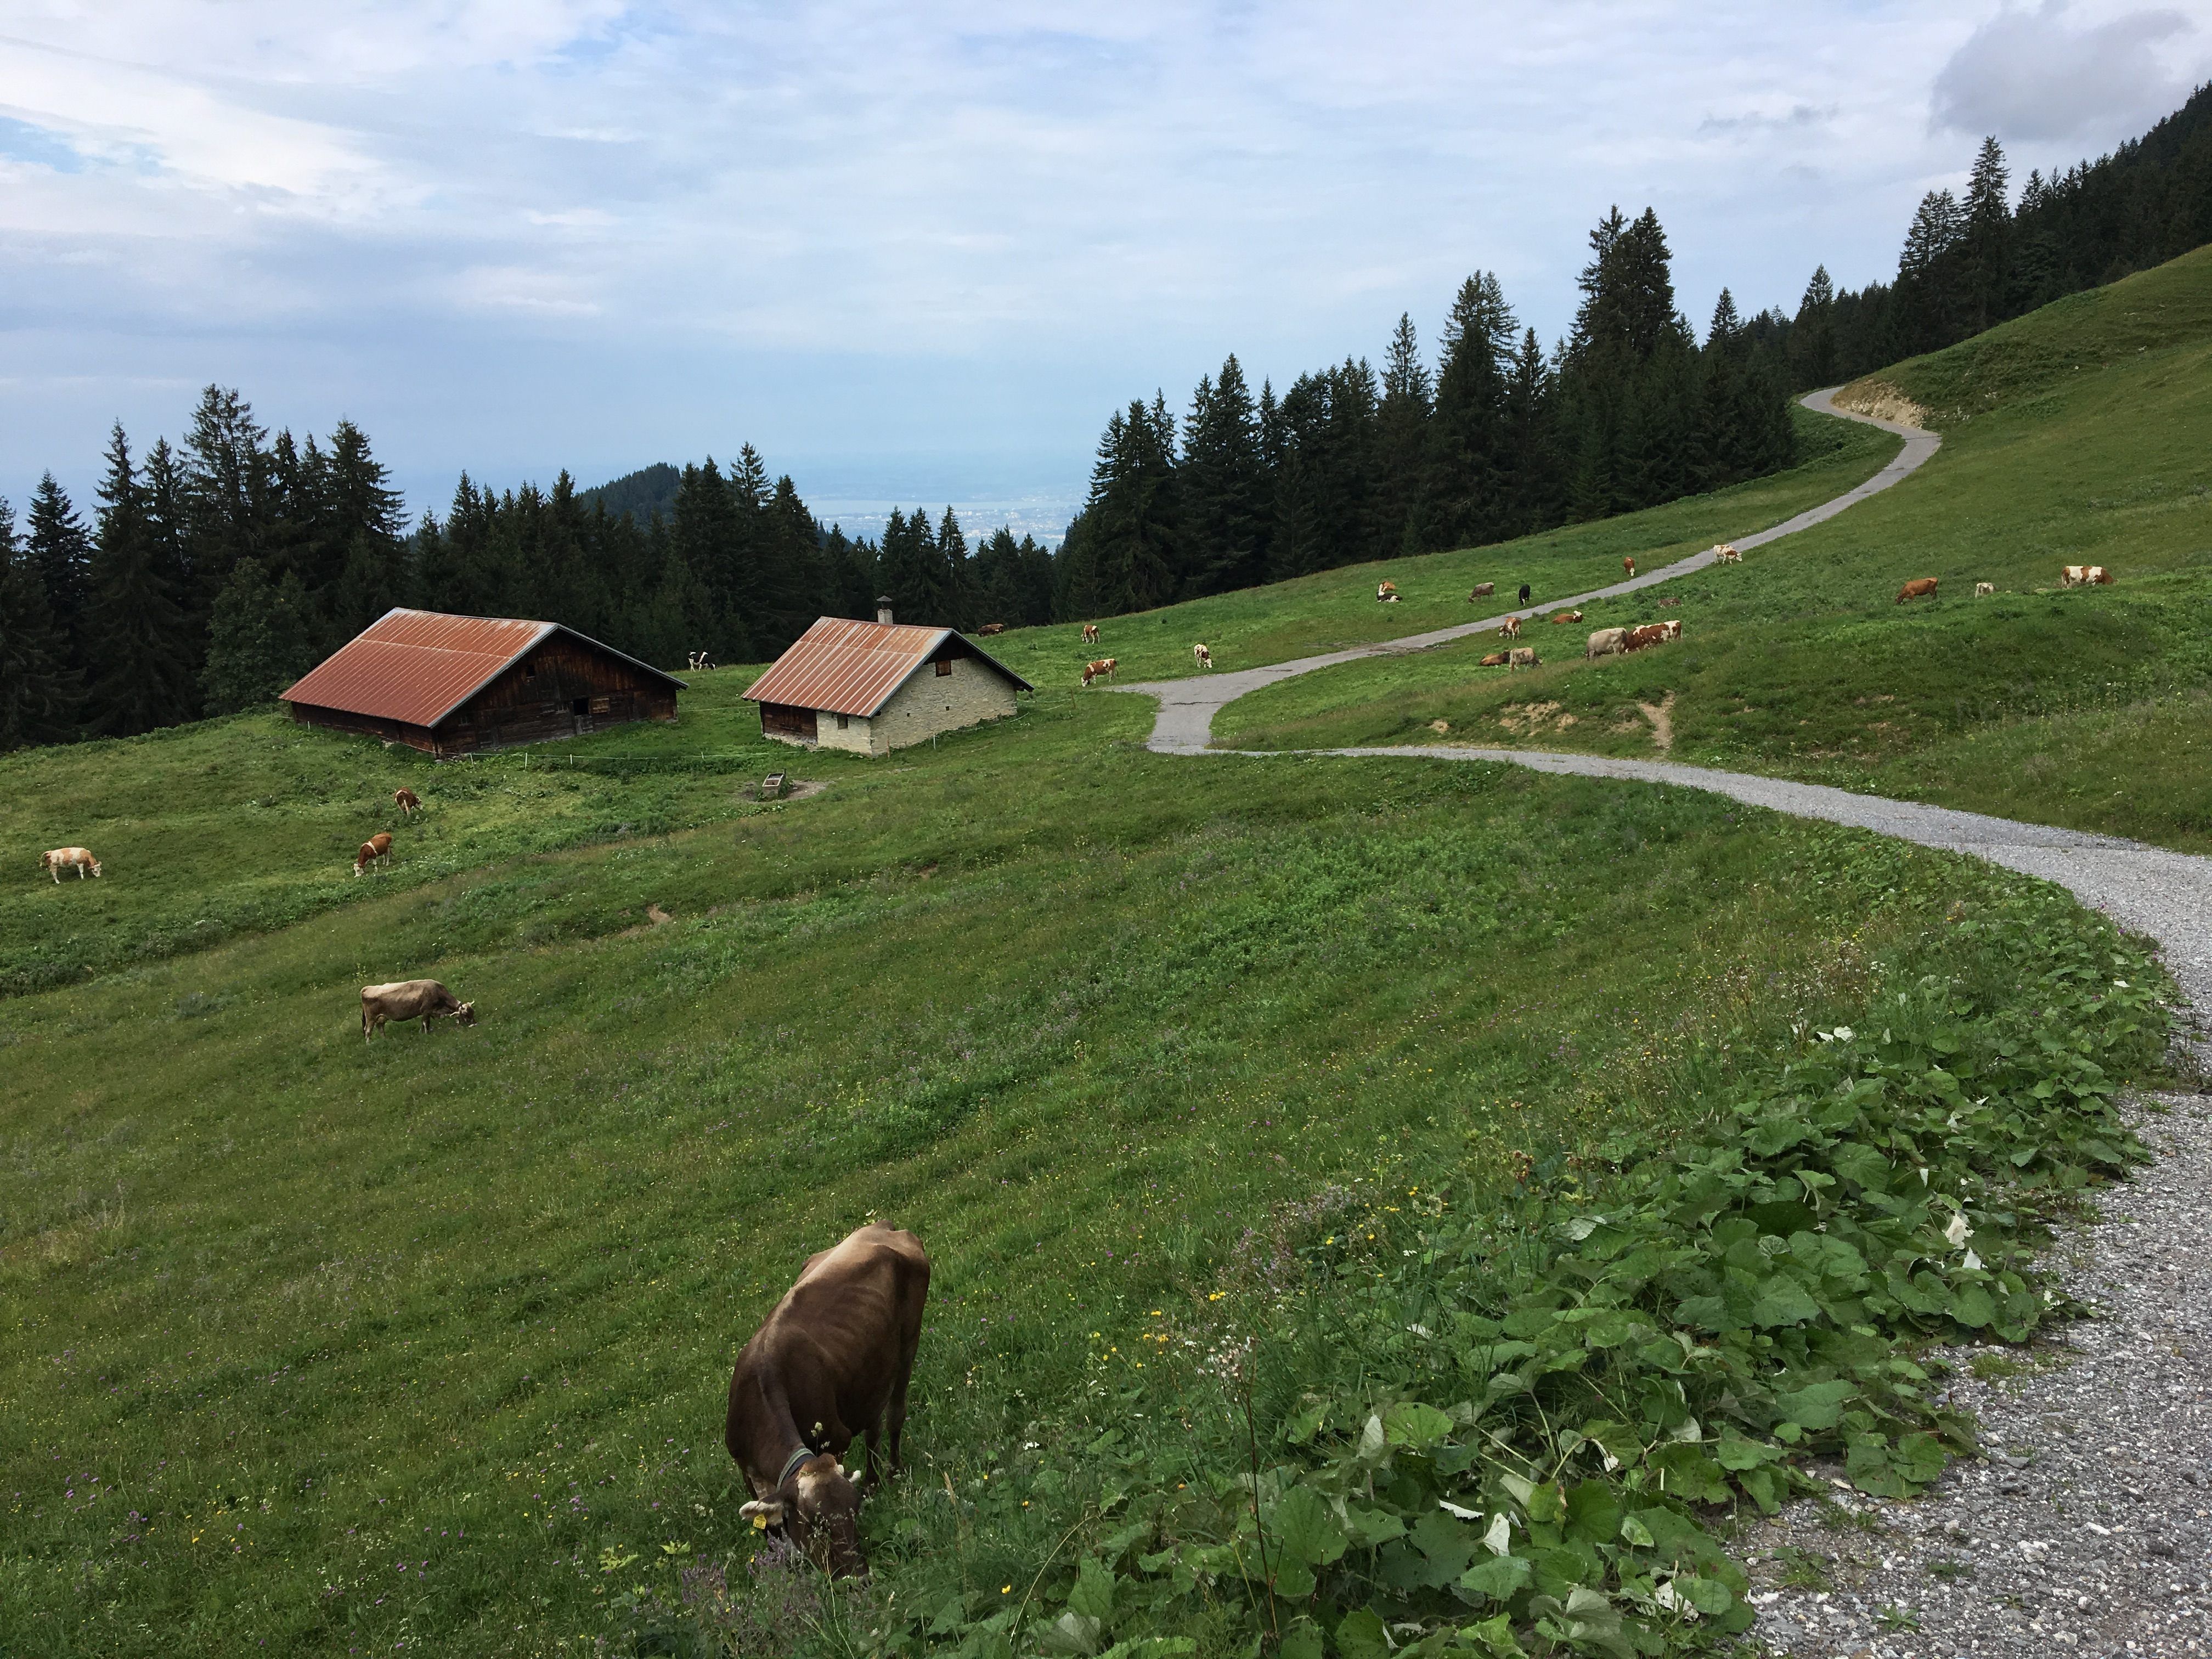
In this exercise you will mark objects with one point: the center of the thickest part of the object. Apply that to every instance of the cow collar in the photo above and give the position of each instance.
(791, 1463)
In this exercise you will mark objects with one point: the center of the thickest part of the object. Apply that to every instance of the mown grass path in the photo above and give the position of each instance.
(1187, 706)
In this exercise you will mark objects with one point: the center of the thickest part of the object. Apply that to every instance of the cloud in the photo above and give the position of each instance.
(2034, 75)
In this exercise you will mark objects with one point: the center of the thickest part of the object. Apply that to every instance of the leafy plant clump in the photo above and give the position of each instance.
(1508, 1426)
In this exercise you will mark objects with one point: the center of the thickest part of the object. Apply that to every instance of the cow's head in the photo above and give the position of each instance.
(465, 1014)
(95, 866)
(820, 1508)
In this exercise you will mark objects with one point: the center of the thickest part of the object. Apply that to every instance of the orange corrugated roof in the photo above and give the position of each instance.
(853, 667)
(418, 666)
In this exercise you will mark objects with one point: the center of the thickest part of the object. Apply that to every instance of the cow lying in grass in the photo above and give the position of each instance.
(377, 846)
(2084, 575)
(63, 857)
(832, 1360)
(1385, 593)
(1568, 616)
(1496, 660)
(410, 999)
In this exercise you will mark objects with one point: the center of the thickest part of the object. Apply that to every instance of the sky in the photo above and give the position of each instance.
(920, 253)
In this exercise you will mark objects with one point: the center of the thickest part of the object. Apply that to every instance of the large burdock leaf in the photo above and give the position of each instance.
(1304, 1527)
(1415, 1426)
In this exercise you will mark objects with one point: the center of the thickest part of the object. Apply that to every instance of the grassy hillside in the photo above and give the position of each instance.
(1337, 608)
(331, 1344)
(2082, 434)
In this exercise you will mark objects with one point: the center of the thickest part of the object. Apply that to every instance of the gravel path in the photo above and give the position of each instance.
(2084, 1528)
(1187, 706)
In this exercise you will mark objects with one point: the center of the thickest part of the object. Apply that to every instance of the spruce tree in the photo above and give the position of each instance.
(1812, 334)
(1466, 492)
(1401, 434)
(1931, 281)
(62, 553)
(1986, 241)
(225, 472)
(257, 641)
(38, 687)
(1224, 485)
(1134, 528)
(141, 672)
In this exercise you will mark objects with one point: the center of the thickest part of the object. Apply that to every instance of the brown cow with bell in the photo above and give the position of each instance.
(831, 1361)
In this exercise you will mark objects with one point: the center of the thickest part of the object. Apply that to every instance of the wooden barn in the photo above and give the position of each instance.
(874, 687)
(454, 685)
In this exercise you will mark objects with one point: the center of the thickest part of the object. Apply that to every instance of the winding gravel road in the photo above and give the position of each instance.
(2085, 1527)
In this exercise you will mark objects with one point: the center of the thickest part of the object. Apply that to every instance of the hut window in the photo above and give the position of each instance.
(529, 671)
(943, 667)
(844, 720)
(602, 705)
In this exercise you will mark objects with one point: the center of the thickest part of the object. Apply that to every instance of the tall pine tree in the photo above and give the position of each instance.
(62, 552)
(38, 687)
(141, 672)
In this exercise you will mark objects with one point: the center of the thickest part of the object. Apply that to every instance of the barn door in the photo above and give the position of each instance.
(582, 709)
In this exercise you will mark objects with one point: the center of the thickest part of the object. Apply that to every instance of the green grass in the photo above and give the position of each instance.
(2080, 708)
(288, 1309)
(420, 1345)
(1337, 608)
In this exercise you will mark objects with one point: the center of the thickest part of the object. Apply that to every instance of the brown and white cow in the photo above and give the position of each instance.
(1496, 660)
(2073, 575)
(989, 628)
(1724, 553)
(1205, 657)
(1099, 669)
(1650, 634)
(377, 846)
(1091, 633)
(1606, 642)
(2098, 576)
(410, 999)
(63, 857)
(1568, 616)
(407, 801)
(1920, 587)
(1482, 590)
(1511, 628)
(1385, 593)
(1629, 565)
(1524, 656)
(1983, 590)
(831, 1361)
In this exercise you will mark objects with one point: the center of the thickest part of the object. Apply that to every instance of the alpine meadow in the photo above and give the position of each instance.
(1377, 1205)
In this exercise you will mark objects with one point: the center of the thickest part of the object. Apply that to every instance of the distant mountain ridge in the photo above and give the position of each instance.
(639, 495)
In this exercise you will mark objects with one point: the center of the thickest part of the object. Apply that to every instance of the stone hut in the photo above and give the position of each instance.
(874, 687)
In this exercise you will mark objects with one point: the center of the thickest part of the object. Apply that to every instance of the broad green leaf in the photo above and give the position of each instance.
(1360, 1635)
(1371, 1526)
(1707, 1595)
(1415, 1426)
(1495, 1637)
(1303, 1525)
(1093, 1593)
(1782, 1301)
(1072, 1632)
(1633, 1531)
(1498, 1577)
(1294, 1579)
(1972, 1308)
(1300, 1641)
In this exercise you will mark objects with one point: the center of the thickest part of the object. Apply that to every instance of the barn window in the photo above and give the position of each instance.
(844, 720)
(529, 671)
(602, 705)
(581, 706)
(943, 667)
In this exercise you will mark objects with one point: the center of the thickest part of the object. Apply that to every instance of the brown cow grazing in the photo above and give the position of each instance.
(1606, 642)
(62, 858)
(1511, 628)
(1920, 587)
(1205, 657)
(1099, 669)
(1091, 633)
(1482, 590)
(1638, 639)
(989, 628)
(410, 999)
(407, 800)
(1568, 616)
(1629, 565)
(1524, 656)
(377, 846)
(1724, 553)
(1496, 660)
(832, 1360)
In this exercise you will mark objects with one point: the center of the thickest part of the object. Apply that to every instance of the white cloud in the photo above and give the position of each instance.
(2037, 74)
(518, 233)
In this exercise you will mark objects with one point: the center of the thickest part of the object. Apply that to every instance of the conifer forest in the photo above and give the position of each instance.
(208, 573)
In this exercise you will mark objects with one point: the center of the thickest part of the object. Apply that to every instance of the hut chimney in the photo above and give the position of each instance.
(883, 609)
